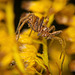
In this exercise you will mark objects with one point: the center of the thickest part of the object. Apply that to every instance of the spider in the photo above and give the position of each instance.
(38, 25)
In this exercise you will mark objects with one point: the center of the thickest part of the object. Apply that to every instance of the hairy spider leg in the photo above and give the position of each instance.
(31, 29)
(20, 27)
(52, 28)
(35, 27)
(41, 21)
(63, 44)
(33, 23)
(21, 20)
(50, 36)
(56, 32)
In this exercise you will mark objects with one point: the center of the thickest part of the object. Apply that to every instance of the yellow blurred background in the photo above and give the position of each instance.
(61, 14)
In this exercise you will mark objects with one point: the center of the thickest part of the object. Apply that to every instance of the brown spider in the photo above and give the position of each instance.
(38, 25)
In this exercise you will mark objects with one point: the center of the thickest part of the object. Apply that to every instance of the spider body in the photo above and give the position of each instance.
(38, 25)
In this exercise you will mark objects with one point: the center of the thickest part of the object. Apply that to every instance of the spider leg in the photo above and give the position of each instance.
(40, 25)
(31, 30)
(52, 28)
(50, 36)
(33, 23)
(21, 20)
(56, 32)
(21, 27)
(36, 24)
(34, 19)
(63, 44)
